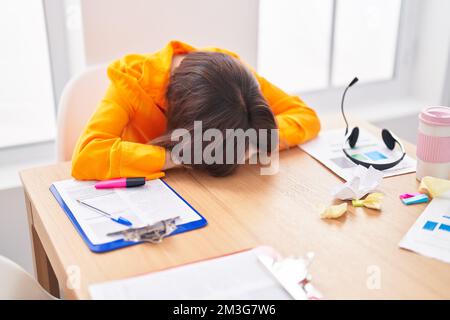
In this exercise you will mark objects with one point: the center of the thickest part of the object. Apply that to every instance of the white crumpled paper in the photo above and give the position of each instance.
(362, 182)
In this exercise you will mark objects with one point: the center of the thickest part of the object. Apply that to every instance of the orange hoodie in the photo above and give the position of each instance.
(132, 113)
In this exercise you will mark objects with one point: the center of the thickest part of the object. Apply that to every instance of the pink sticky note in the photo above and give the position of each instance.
(409, 195)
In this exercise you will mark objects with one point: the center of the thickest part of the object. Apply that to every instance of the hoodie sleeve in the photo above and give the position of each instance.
(296, 121)
(100, 152)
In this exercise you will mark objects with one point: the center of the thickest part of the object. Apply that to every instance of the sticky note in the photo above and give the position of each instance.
(409, 195)
(422, 198)
(434, 187)
(334, 212)
(372, 201)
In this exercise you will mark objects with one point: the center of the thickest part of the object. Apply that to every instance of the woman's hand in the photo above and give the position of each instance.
(168, 163)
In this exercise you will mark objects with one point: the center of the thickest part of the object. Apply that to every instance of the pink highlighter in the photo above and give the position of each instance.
(120, 183)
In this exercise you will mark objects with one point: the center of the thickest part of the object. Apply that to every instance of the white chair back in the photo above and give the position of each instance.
(17, 284)
(78, 101)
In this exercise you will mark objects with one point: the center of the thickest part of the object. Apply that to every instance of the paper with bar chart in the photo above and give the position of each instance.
(430, 234)
(327, 148)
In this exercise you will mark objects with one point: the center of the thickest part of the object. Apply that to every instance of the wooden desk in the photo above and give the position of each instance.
(246, 210)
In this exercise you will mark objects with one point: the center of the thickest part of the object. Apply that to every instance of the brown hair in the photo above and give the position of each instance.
(220, 91)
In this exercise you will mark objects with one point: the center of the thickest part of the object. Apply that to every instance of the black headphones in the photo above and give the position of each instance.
(351, 138)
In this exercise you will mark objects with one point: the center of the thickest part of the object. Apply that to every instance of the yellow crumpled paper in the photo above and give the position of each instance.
(372, 201)
(434, 187)
(334, 212)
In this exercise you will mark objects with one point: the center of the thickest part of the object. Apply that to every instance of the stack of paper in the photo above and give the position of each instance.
(254, 274)
(238, 276)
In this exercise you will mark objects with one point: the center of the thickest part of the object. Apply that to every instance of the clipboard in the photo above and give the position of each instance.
(120, 243)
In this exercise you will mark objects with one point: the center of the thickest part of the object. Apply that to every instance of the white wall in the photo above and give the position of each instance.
(14, 234)
(116, 27)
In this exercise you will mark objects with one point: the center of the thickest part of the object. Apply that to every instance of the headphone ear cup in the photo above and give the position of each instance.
(353, 137)
(388, 139)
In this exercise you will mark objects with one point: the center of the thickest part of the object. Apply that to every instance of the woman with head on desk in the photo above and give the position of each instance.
(151, 95)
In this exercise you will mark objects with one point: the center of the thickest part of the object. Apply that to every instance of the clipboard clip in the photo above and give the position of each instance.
(153, 233)
(292, 274)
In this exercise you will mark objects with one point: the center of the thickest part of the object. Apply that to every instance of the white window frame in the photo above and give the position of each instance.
(55, 19)
(446, 93)
(328, 100)
(20, 156)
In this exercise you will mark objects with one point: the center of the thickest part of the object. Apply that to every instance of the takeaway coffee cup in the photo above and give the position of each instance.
(433, 143)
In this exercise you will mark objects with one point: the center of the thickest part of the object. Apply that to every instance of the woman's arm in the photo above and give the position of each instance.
(296, 121)
(100, 152)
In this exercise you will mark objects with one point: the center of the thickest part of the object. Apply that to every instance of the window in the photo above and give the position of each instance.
(27, 109)
(308, 45)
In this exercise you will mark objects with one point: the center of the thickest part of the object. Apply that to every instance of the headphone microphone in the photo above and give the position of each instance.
(355, 80)
(389, 139)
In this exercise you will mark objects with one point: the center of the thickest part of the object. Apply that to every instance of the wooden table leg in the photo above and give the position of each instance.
(43, 269)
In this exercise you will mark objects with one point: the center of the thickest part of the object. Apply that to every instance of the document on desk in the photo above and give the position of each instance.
(236, 276)
(327, 149)
(430, 234)
(147, 204)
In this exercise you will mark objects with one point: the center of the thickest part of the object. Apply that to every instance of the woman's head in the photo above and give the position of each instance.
(218, 90)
